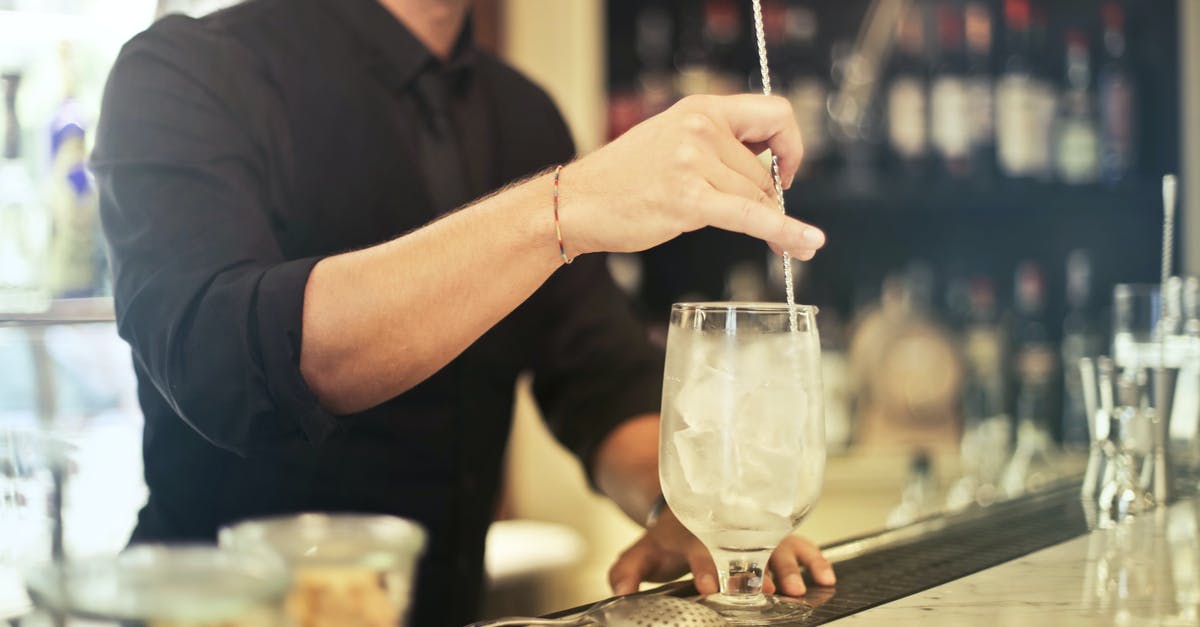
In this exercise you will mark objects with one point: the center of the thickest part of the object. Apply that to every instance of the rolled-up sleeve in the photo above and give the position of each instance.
(205, 297)
(595, 367)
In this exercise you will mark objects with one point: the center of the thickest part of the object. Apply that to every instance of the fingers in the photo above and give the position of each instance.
(737, 157)
(729, 181)
(812, 559)
(787, 559)
(755, 119)
(786, 570)
(704, 571)
(631, 568)
(742, 215)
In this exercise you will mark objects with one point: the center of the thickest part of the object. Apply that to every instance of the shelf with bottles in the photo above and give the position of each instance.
(979, 103)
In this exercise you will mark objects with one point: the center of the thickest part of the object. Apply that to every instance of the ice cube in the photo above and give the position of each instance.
(698, 450)
(708, 398)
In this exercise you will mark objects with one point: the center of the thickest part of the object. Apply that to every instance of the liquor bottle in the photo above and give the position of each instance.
(987, 427)
(1045, 91)
(1034, 368)
(949, 114)
(1076, 137)
(1081, 338)
(692, 58)
(1034, 360)
(708, 44)
(23, 228)
(807, 87)
(1018, 99)
(656, 89)
(76, 255)
(905, 368)
(722, 32)
(977, 18)
(949, 119)
(907, 92)
(1116, 96)
(983, 348)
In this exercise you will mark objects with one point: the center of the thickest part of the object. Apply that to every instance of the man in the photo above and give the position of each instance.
(252, 163)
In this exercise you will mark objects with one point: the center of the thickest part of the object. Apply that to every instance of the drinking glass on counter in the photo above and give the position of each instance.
(161, 586)
(742, 446)
(1120, 468)
(348, 570)
(1138, 340)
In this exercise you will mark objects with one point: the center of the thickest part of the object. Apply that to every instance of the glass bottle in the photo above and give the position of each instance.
(1018, 99)
(1081, 338)
(907, 95)
(981, 107)
(1116, 89)
(807, 87)
(949, 119)
(76, 255)
(1077, 141)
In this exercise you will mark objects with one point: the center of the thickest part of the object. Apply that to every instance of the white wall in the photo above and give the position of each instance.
(560, 44)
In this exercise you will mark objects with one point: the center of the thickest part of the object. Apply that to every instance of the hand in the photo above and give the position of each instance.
(668, 550)
(692, 166)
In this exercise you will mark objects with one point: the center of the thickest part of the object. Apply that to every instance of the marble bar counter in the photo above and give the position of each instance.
(1143, 572)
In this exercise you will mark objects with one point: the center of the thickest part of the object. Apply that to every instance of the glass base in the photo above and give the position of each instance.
(759, 609)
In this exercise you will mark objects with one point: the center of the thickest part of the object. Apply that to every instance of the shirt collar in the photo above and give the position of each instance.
(395, 54)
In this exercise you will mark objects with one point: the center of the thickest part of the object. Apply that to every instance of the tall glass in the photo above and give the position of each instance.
(742, 445)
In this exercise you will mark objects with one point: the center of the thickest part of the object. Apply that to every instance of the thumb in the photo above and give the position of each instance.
(704, 570)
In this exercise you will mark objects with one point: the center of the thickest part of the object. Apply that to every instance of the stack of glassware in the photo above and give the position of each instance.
(1145, 401)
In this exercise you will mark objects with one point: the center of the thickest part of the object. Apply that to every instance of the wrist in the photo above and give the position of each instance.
(656, 511)
(572, 207)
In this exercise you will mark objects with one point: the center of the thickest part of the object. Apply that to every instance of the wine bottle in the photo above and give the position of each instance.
(907, 93)
(1081, 338)
(1116, 97)
(977, 17)
(949, 114)
(807, 87)
(1076, 137)
(1017, 98)
(76, 255)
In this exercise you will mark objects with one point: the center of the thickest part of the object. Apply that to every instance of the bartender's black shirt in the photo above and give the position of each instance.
(237, 150)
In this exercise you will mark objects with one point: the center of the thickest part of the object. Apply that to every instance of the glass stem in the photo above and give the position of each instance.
(741, 575)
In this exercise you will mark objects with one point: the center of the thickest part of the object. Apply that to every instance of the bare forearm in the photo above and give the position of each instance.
(380, 320)
(626, 466)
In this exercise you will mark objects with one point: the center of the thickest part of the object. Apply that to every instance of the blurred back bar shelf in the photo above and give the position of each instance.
(980, 111)
(979, 166)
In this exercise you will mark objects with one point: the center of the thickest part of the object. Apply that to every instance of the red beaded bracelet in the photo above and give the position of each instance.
(562, 248)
